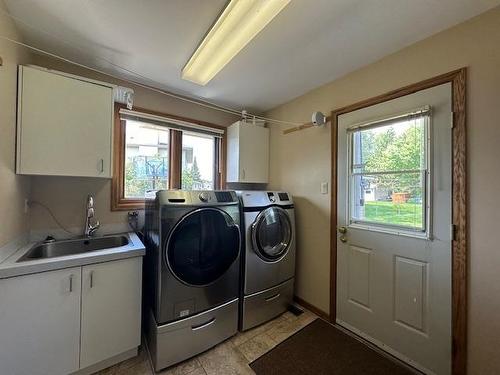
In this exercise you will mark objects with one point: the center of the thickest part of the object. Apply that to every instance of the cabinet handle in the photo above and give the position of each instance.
(272, 298)
(102, 165)
(201, 326)
(70, 283)
(243, 174)
(91, 279)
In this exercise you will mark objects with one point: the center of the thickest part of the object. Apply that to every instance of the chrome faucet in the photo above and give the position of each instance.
(91, 224)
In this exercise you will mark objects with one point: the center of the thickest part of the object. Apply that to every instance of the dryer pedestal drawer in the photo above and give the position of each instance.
(260, 307)
(179, 340)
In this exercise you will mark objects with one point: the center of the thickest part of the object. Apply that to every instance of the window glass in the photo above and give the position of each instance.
(388, 174)
(203, 246)
(198, 161)
(146, 158)
(273, 233)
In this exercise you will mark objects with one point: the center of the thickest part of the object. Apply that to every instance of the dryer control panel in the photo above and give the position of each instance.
(271, 196)
(255, 198)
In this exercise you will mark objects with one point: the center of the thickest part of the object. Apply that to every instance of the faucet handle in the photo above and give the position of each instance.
(90, 201)
(94, 227)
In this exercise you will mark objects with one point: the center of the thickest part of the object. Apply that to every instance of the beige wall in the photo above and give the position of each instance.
(13, 189)
(66, 195)
(301, 160)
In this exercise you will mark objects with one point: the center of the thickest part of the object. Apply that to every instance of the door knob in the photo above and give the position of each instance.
(343, 238)
(342, 230)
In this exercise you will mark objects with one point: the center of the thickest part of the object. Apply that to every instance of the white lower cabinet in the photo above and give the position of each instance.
(40, 323)
(59, 322)
(111, 309)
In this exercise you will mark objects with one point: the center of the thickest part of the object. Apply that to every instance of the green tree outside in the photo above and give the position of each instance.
(136, 185)
(387, 151)
(191, 177)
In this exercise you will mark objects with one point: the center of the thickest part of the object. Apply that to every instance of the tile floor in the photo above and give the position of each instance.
(230, 357)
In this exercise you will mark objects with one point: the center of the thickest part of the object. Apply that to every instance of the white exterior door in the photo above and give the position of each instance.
(111, 309)
(394, 226)
(40, 323)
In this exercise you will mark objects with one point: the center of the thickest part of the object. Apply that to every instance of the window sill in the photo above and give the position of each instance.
(124, 204)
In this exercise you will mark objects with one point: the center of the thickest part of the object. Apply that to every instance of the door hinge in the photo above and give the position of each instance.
(452, 125)
(453, 232)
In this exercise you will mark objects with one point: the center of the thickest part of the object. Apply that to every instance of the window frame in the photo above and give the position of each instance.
(118, 200)
(426, 232)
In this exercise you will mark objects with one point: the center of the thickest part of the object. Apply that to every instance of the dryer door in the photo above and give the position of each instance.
(272, 234)
(202, 246)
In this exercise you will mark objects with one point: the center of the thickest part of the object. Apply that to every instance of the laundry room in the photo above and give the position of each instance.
(249, 187)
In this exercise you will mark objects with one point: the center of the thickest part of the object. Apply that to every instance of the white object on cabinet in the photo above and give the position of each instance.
(40, 323)
(62, 321)
(247, 153)
(111, 307)
(64, 124)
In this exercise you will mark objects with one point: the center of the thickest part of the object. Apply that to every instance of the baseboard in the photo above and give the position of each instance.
(312, 308)
(107, 362)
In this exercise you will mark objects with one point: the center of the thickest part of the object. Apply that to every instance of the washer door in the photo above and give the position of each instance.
(202, 246)
(272, 234)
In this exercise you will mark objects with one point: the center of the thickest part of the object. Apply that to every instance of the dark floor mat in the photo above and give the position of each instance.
(320, 348)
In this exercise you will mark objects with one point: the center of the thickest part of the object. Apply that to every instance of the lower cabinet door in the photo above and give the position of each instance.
(40, 323)
(111, 309)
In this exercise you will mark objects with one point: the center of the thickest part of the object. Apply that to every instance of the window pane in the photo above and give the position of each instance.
(391, 199)
(395, 147)
(198, 161)
(388, 171)
(146, 158)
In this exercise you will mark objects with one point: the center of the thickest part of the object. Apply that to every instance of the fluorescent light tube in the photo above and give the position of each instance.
(238, 24)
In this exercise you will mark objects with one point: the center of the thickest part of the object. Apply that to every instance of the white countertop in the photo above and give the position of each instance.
(9, 267)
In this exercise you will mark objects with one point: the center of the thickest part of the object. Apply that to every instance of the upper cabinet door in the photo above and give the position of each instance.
(247, 153)
(40, 323)
(111, 309)
(64, 125)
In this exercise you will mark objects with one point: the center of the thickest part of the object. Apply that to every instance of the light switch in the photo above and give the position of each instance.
(324, 188)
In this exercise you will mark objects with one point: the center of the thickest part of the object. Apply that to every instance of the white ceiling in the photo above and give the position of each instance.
(310, 43)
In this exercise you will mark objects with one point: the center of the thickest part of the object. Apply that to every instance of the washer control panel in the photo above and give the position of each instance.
(211, 196)
(197, 197)
(204, 196)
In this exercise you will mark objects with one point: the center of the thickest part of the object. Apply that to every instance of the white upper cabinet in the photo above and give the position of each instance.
(64, 125)
(247, 153)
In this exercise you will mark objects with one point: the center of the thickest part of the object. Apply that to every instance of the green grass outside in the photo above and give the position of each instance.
(406, 214)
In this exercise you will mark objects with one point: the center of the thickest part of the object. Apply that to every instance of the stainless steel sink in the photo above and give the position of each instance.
(71, 247)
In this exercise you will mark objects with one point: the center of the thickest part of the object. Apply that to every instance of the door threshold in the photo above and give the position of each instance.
(382, 349)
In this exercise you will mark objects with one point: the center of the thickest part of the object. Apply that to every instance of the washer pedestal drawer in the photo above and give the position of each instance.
(262, 306)
(174, 342)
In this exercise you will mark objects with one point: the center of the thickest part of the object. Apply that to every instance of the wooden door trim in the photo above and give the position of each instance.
(459, 247)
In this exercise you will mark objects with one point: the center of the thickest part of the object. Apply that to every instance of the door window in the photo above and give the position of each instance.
(272, 233)
(389, 173)
(202, 247)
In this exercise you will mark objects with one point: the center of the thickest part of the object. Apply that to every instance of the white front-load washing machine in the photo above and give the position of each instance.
(268, 263)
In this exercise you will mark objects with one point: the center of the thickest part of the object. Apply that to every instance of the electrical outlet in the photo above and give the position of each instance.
(324, 188)
(26, 205)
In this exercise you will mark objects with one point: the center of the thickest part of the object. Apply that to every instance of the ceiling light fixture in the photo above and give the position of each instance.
(238, 24)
